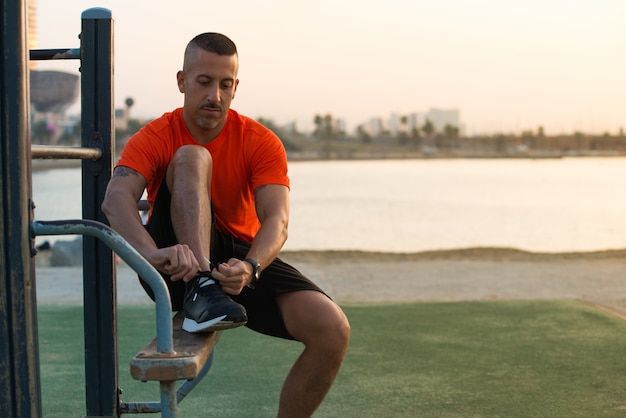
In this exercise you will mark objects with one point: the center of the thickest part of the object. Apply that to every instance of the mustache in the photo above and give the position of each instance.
(212, 106)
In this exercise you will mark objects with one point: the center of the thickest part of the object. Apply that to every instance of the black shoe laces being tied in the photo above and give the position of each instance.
(204, 274)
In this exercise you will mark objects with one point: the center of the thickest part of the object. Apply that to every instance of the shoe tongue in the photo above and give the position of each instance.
(205, 281)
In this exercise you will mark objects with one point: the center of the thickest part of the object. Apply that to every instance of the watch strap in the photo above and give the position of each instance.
(256, 268)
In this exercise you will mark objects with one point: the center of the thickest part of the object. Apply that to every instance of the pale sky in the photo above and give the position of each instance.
(507, 65)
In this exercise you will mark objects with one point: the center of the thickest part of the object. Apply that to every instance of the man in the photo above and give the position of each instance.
(219, 195)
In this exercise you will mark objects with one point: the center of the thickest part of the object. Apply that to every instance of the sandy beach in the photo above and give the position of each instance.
(353, 277)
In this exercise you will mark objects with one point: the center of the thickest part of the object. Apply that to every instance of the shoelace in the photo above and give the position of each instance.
(215, 293)
(203, 276)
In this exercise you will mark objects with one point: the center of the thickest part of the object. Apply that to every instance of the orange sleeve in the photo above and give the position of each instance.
(148, 152)
(269, 162)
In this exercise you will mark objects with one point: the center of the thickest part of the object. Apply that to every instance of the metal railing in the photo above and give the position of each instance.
(78, 153)
(20, 391)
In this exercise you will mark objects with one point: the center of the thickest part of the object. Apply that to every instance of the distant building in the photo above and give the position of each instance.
(53, 91)
(374, 127)
(415, 121)
(121, 118)
(32, 29)
(440, 118)
(340, 126)
(394, 126)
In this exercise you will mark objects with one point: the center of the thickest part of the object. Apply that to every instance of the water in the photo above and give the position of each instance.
(417, 205)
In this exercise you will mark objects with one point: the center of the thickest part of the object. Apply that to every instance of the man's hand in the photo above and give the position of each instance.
(177, 261)
(233, 275)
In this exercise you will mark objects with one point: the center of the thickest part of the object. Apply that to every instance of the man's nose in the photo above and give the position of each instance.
(213, 94)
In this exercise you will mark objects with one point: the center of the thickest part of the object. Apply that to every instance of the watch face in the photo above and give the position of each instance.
(256, 270)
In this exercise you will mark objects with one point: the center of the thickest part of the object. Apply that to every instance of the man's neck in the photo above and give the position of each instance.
(203, 136)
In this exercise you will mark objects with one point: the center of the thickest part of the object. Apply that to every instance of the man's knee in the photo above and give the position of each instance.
(316, 320)
(334, 337)
(339, 334)
(189, 160)
(191, 154)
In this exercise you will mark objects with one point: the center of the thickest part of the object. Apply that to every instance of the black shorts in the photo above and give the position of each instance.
(264, 316)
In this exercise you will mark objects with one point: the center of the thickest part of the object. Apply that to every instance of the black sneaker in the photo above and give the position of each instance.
(208, 308)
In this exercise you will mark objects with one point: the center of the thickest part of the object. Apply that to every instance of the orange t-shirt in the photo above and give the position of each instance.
(245, 155)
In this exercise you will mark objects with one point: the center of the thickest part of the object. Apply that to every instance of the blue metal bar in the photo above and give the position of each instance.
(169, 407)
(99, 279)
(20, 386)
(55, 54)
(187, 386)
(165, 343)
(127, 253)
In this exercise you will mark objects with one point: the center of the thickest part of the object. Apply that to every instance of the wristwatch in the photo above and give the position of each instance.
(256, 269)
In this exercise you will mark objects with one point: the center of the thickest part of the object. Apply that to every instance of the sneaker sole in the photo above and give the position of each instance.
(215, 324)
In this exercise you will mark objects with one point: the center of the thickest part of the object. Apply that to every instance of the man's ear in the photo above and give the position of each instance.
(180, 80)
(235, 90)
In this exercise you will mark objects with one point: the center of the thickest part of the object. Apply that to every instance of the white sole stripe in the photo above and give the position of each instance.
(190, 325)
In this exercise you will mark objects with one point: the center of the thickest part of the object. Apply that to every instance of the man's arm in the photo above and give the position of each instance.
(120, 207)
(272, 207)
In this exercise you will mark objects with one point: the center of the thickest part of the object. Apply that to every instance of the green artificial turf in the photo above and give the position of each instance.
(470, 359)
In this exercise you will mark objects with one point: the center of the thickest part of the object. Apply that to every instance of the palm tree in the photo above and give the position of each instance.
(451, 132)
(363, 135)
(404, 120)
(317, 120)
(428, 128)
(328, 126)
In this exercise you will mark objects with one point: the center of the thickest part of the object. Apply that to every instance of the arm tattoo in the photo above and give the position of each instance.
(122, 171)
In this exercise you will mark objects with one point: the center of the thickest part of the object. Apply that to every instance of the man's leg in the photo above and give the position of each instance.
(315, 320)
(207, 307)
(189, 181)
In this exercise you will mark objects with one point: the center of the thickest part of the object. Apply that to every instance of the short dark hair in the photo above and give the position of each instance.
(213, 42)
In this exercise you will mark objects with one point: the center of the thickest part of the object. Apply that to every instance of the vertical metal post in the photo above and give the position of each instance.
(20, 387)
(99, 280)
